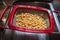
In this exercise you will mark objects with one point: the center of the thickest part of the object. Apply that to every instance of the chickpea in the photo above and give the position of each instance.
(29, 20)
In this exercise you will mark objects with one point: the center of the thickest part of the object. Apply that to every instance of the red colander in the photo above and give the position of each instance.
(26, 8)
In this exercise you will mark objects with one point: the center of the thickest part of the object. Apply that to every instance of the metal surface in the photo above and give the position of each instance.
(29, 36)
(55, 16)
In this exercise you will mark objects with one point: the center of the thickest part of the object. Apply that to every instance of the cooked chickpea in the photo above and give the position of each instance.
(29, 20)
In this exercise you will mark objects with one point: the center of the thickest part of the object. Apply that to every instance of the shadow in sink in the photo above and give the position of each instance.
(25, 37)
(54, 36)
(21, 36)
(41, 4)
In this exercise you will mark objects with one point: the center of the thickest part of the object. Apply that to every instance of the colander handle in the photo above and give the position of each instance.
(3, 11)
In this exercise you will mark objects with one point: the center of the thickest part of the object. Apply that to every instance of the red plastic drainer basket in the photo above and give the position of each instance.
(13, 27)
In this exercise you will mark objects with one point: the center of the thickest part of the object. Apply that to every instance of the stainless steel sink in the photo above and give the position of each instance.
(18, 35)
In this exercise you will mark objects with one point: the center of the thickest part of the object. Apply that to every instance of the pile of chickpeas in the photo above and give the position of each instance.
(31, 21)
